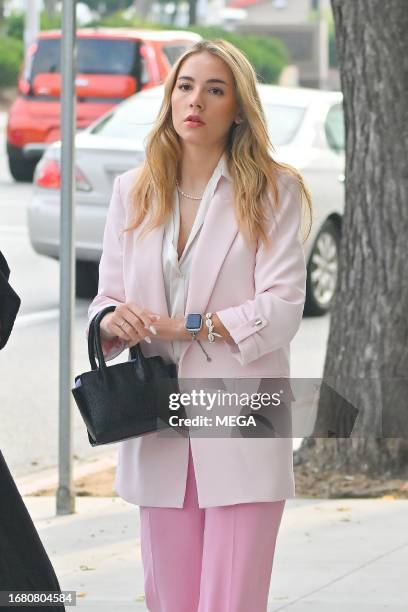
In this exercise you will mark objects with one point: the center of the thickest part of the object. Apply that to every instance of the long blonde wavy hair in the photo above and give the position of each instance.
(248, 151)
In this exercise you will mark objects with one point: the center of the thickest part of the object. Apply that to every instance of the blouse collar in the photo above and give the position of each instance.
(224, 167)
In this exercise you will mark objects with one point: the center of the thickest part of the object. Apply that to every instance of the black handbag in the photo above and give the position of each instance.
(125, 400)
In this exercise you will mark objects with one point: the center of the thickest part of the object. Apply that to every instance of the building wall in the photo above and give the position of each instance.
(294, 11)
(282, 12)
(305, 39)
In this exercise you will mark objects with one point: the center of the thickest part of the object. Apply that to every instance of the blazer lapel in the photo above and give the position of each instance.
(147, 270)
(216, 237)
(217, 234)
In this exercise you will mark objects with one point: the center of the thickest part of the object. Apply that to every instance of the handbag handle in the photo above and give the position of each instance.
(94, 339)
(95, 343)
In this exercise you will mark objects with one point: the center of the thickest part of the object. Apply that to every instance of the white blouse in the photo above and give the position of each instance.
(176, 272)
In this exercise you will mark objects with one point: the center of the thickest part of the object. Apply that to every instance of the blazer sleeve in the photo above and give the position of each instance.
(9, 303)
(270, 320)
(111, 290)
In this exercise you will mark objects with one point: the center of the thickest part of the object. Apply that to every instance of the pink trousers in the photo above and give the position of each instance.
(215, 559)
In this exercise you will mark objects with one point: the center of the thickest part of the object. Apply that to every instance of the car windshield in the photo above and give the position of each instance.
(94, 56)
(134, 120)
(283, 122)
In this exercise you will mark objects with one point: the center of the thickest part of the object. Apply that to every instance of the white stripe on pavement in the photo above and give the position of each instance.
(13, 229)
(24, 320)
(33, 318)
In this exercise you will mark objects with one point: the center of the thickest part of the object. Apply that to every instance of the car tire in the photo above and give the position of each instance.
(86, 285)
(322, 270)
(21, 169)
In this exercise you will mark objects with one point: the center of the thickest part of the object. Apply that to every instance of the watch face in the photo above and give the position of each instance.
(193, 322)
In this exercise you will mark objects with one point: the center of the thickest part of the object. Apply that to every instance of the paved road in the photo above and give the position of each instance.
(29, 365)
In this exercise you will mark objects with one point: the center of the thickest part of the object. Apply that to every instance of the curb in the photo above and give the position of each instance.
(45, 479)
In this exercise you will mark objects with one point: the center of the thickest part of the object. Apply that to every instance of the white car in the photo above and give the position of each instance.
(306, 128)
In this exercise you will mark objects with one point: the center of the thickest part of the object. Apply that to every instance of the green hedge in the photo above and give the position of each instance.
(268, 55)
(11, 56)
(15, 24)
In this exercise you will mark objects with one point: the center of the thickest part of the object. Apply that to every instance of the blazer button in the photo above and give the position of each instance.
(258, 322)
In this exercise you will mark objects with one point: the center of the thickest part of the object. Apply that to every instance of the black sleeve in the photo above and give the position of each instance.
(9, 303)
(24, 563)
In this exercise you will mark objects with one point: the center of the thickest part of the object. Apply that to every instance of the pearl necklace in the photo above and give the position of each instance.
(186, 194)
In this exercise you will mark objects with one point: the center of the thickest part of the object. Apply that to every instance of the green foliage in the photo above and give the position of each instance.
(115, 20)
(15, 24)
(49, 22)
(11, 56)
(267, 55)
(107, 7)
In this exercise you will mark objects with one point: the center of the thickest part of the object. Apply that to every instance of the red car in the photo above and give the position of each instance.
(112, 64)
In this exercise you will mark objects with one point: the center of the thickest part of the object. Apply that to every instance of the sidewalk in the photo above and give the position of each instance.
(331, 555)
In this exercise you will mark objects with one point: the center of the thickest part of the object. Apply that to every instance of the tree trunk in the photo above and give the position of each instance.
(366, 366)
(2, 24)
(174, 14)
(192, 13)
(143, 8)
(50, 7)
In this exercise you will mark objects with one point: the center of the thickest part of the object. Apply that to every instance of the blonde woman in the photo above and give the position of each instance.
(207, 228)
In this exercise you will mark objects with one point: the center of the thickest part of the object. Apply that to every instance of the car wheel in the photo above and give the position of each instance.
(21, 169)
(86, 279)
(322, 270)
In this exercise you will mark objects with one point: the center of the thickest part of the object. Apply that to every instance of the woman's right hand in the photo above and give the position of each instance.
(130, 323)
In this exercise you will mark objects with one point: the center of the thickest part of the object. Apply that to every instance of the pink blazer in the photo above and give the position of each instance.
(259, 294)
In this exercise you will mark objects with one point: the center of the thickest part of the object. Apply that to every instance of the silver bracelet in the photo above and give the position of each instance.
(210, 327)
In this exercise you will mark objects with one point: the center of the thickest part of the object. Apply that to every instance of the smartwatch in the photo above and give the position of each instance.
(193, 324)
